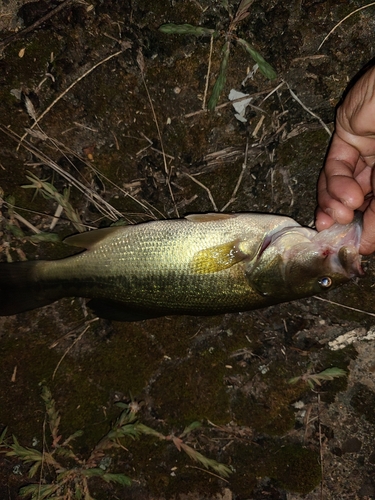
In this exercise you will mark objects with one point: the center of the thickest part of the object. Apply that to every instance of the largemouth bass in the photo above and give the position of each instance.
(203, 264)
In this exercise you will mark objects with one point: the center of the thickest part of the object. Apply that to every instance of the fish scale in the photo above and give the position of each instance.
(202, 264)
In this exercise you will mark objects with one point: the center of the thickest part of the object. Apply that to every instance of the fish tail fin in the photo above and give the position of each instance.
(20, 290)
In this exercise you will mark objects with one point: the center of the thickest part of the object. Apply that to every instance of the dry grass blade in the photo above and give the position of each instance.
(296, 98)
(66, 152)
(50, 192)
(33, 26)
(344, 19)
(103, 206)
(206, 189)
(345, 307)
(48, 109)
(208, 73)
(242, 12)
(186, 29)
(69, 349)
(141, 65)
(239, 180)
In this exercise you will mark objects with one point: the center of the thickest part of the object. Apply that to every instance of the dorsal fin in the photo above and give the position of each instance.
(209, 217)
(92, 238)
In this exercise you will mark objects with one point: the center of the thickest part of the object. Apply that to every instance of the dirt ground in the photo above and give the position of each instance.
(106, 97)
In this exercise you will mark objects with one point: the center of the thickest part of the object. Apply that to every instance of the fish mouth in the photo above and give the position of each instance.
(341, 243)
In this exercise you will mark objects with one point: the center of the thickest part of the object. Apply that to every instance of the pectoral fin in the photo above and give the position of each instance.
(218, 258)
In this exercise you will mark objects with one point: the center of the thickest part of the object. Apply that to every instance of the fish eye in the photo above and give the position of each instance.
(325, 282)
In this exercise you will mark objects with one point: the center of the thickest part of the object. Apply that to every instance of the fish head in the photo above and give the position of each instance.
(299, 262)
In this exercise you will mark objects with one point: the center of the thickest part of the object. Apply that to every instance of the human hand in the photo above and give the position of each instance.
(347, 181)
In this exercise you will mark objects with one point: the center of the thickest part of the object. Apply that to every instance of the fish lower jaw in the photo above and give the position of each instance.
(347, 260)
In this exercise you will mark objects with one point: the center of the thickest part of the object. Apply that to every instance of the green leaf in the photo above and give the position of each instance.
(117, 478)
(62, 475)
(78, 492)
(209, 463)
(11, 200)
(34, 469)
(220, 82)
(94, 472)
(294, 380)
(191, 427)
(52, 237)
(313, 379)
(73, 436)
(186, 29)
(38, 491)
(264, 67)
(15, 230)
(65, 452)
(331, 373)
(27, 455)
(126, 430)
(225, 4)
(124, 406)
(144, 429)
(2, 436)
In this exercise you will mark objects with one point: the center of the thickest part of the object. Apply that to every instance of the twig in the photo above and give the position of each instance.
(166, 169)
(273, 91)
(230, 103)
(342, 20)
(296, 98)
(69, 349)
(32, 27)
(207, 471)
(71, 332)
(26, 223)
(233, 197)
(208, 73)
(258, 125)
(345, 307)
(205, 188)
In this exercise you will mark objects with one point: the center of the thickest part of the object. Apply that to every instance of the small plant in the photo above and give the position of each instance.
(316, 378)
(68, 475)
(11, 224)
(209, 463)
(48, 191)
(229, 36)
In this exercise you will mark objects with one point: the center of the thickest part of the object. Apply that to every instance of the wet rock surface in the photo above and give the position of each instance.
(118, 106)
